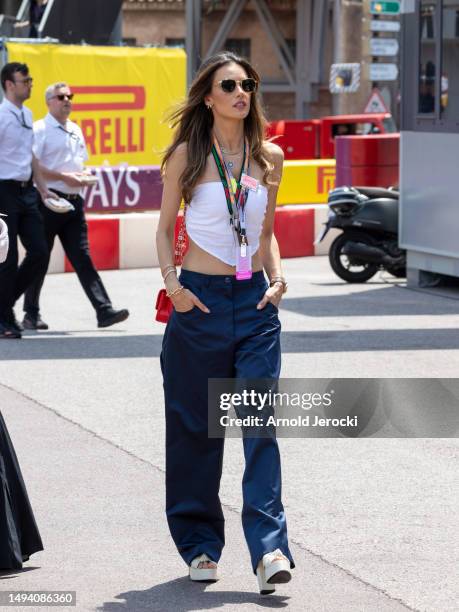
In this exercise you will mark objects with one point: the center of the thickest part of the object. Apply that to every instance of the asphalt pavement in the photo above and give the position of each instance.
(373, 522)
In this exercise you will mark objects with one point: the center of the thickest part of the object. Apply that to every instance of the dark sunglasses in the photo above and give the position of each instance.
(247, 85)
(26, 81)
(62, 97)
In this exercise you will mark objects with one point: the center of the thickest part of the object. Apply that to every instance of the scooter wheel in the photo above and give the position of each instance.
(351, 269)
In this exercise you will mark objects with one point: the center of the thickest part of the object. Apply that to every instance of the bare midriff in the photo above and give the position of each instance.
(199, 260)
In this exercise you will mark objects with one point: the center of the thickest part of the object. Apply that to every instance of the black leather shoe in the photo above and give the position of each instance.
(13, 323)
(109, 316)
(30, 322)
(8, 333)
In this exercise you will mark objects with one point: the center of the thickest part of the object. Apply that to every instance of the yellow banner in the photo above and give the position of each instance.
(121, 95)
(307, 181)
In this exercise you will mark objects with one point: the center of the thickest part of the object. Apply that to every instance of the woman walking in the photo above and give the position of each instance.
(224, 323)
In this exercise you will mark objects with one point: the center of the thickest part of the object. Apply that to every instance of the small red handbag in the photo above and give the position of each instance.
(164, 304)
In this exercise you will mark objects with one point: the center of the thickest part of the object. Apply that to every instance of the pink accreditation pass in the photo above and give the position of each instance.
(243, 262)
(249, 182)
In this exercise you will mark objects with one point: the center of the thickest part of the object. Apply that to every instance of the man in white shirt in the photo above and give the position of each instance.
(60, 149)
(18, 197)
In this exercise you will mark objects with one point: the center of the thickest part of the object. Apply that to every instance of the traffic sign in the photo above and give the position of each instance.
(385, 8)
(385, 26)
(376, 103)
(344, 78)
(383, 72)
(384, 46)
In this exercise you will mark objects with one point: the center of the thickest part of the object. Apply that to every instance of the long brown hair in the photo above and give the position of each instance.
(193, 123)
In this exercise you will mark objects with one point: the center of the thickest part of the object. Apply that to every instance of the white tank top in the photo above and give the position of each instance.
(207, 220)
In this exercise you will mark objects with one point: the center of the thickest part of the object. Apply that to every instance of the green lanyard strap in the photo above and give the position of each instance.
(218, 157)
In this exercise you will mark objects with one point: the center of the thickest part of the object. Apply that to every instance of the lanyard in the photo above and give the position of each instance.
(240, 204)
(242, 193)
(22, 123)
(73, 135)
(233, 199)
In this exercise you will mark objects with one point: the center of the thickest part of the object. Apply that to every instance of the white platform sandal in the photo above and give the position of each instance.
(207, 574)
(274, 568)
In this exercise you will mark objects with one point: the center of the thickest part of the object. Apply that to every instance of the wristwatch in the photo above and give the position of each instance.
(279, 279)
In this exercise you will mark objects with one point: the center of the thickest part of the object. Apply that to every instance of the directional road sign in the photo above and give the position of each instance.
(385, 8)
(384, 46)
(383, 72)
(377, 25)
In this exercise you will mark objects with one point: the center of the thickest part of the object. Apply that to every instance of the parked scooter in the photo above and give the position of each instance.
(368, 217)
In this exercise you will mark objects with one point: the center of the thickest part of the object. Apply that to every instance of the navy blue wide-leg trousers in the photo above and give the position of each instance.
(234, 341)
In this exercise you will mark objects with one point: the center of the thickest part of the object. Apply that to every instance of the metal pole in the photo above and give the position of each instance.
(337, 48)
(44, 18)
(303, 33)
(276, 38)
(230, 18)
(22, 13)
(347, 23)
(193, 38)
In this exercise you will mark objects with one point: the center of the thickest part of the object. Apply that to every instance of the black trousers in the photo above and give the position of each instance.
(23, 220)
(72, 230)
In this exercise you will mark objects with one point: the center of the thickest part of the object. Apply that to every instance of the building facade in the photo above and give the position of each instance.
(162, 22)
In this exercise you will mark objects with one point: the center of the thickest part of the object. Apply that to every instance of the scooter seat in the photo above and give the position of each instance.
(378, 192)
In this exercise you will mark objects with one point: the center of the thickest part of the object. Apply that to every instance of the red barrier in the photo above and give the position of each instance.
(298, 139)
(104, 244)
(368, 160)
(294, 230)
(110, 237)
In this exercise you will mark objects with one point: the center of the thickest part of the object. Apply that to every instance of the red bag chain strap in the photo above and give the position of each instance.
(181, 243)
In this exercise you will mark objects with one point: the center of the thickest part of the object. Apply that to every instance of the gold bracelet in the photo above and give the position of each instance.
(170, 267)
(171, 271)
(279, 279)
(181, 288)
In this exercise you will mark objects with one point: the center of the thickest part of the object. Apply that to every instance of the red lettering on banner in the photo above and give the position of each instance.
(121, 133)
(136, 102)
(131, 146)
(105, 136)
(142, 134)
(119, 148)
(88, 127)
(109, 135)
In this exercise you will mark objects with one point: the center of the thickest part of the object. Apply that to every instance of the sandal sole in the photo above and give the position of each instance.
(203, 575)
(281, 577)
